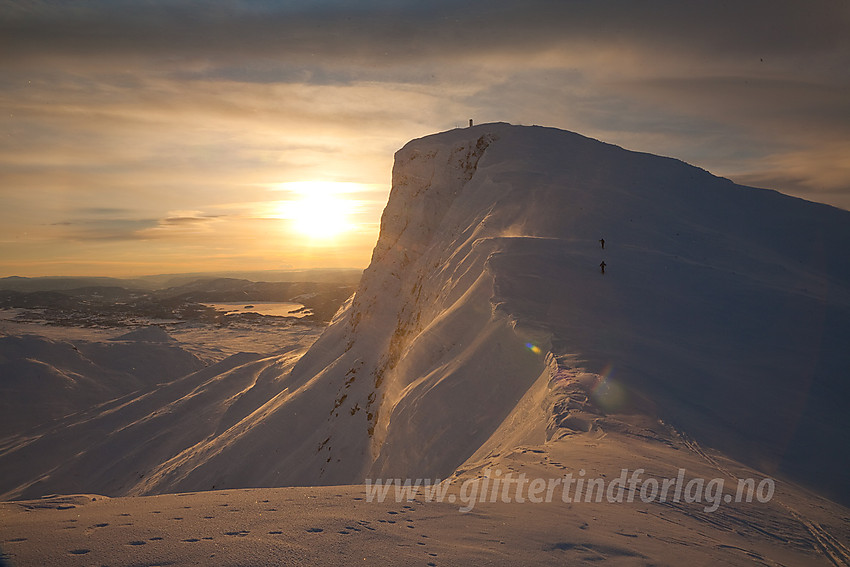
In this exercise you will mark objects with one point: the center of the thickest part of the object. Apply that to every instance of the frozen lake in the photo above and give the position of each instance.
(261, 307)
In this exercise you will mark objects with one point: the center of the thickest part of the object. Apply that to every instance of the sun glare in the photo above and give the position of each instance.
(320, 210)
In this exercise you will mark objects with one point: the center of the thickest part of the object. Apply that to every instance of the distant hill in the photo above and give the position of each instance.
(321, 292)
(16, 283)
(321, 275)
(57, 283)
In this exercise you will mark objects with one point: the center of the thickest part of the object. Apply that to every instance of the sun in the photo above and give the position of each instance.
(320, 209)
(320, 217)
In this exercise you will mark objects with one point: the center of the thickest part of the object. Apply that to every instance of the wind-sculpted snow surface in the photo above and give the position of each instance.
(484, 322)
(42, 379)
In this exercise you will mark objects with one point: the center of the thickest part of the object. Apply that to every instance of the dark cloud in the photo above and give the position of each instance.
(106, 229)
(377, 33)
(105, 211)
(815, 108)
(188, 220)
(118, 228)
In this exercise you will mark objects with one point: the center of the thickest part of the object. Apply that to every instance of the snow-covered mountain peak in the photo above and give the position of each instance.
(486, 321)
(490, 257)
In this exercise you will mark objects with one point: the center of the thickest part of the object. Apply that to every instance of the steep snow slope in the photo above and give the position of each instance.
(484, 322)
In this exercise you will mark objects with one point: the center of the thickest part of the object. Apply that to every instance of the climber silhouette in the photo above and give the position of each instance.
(602, 242)
(602, 266)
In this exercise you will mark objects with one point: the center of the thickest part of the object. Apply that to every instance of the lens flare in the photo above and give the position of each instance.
(608, 394)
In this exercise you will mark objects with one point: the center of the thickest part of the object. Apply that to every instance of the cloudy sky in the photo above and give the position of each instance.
(143, 137)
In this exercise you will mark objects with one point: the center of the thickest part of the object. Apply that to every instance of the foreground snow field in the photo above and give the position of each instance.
(337, 525)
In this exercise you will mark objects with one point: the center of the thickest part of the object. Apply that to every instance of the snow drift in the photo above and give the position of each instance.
(484, 321)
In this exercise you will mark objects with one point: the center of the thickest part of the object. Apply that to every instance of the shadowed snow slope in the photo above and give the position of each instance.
(43, 379)
(484, 321)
